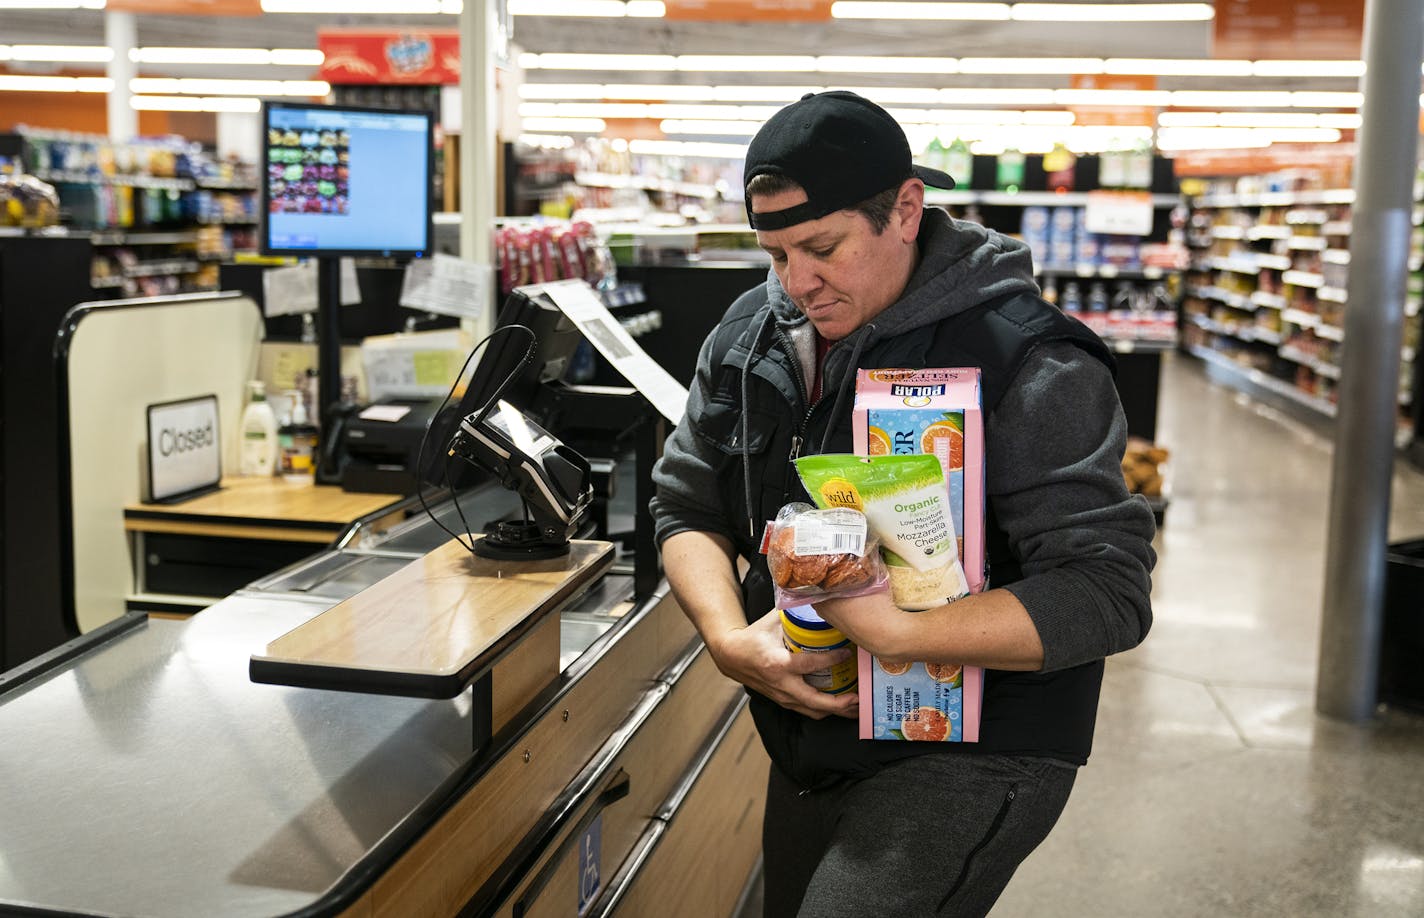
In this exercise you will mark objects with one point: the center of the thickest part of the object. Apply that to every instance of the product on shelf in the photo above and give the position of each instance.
(27, 201)
(1143, 466)
(1009, 170)
(1058, 168)
(539, 253)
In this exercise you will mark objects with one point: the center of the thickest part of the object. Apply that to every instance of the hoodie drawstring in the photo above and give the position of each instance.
(746, 428)
(846, 382)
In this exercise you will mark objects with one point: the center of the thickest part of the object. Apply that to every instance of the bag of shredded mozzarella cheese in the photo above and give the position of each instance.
(906, 504)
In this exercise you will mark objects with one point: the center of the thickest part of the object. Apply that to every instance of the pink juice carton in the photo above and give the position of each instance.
(937, 412)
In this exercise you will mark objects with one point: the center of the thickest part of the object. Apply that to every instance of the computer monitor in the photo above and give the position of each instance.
(346, 181)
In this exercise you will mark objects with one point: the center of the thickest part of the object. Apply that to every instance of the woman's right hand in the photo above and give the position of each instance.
(756, 657)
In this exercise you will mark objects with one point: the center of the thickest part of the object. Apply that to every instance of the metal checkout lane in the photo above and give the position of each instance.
(403, 728)
(145, 773)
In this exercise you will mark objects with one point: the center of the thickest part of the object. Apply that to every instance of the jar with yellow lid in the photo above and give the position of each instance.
(803, 631)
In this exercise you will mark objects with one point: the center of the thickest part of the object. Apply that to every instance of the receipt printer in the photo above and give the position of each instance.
(380, 443)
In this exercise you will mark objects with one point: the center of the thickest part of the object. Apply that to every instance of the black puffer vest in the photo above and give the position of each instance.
(1039, 714)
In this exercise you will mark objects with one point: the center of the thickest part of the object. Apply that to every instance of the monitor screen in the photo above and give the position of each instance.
(555, 340)
(346, 181)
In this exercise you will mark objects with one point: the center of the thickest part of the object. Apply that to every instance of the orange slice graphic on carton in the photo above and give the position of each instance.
(878, 442)
(953, 442)
(894, 669)
(925, 724)
(944, 672)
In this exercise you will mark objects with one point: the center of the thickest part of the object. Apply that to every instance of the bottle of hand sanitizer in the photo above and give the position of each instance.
(259, 434)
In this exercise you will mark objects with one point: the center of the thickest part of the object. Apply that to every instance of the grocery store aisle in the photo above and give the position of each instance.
(1214, 789)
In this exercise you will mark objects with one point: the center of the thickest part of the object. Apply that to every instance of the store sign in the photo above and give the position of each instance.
(184, 449)
(187, 7)
(426, 56)
(1119, 213)
(748, 10)
(1114, 115)
(1288, 30)
(1333, 161)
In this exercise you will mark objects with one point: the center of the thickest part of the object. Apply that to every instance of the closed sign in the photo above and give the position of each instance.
(184, 449)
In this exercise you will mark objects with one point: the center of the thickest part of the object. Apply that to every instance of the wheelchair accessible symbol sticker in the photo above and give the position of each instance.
(590, 880)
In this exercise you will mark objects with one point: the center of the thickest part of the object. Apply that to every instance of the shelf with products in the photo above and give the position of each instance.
(1284, 322)
(154, 207)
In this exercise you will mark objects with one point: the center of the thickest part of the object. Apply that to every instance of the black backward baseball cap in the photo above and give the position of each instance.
(840, 147)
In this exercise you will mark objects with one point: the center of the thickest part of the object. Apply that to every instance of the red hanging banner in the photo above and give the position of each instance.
(425, 56)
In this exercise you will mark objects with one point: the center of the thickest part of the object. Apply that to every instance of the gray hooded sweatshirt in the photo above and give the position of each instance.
(1053, 444)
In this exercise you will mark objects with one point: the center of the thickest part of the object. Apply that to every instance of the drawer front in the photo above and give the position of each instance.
(209, 566)
(701, 862)
(652, 764)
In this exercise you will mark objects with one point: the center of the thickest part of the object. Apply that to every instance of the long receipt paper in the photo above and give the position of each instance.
(586, 310)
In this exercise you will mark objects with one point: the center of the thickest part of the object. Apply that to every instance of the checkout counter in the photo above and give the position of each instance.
(149, 775)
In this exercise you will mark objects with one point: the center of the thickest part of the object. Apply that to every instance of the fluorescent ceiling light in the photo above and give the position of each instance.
(1327, 100)
(782, 95)
(1153, 98)
(1227, 138)
(972, 96)
(684, 148)
(927, 96)
(1037, 65)
(194, 104)
(83, 54)
(1209, 139)
(739, 63)
(195, 87)
(51, 4)
(564, 125)
(1345, 121)
(843, 64)
(710, 128)
(23, 83)
(582, 110)
(1309, 68)
(591, 8)
(1238, 98)
(294, 57)
(367, 7)
(757, 114)
(547, 141)
(1242, 120)
(894, 95)
(1002, 66)
(846, 9)
(1169, 67)
(1112, 12)
(597, 62)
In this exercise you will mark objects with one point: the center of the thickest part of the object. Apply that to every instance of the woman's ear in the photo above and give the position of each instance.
(909, 207)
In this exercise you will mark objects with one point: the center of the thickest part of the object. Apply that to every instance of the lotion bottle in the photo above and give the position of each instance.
(259, 434)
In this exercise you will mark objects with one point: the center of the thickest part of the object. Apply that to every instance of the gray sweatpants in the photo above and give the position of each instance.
(931, 835)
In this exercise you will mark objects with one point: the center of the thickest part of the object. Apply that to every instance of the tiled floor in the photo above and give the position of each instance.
(1214, 787)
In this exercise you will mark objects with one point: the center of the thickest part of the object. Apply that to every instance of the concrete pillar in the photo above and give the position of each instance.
(121, 35)
(1353, 612)
(478, 143)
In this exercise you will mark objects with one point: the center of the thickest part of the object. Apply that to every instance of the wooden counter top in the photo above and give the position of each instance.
(289, 509)
(433, 626)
